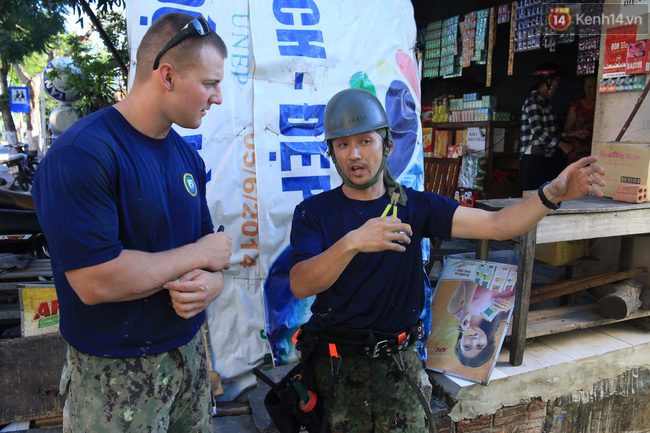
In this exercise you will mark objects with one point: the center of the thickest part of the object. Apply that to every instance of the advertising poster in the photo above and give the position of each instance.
(39, 309)
(616, 42)
(472, 306)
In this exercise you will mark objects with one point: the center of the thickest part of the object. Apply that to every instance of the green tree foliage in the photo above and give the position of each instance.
(33, 31)
(26, 26)
(100, 81)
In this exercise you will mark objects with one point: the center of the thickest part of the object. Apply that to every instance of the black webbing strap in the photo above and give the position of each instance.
(418, 392)
(359, 342)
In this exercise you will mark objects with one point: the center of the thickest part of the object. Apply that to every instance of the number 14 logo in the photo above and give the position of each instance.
(559, 18)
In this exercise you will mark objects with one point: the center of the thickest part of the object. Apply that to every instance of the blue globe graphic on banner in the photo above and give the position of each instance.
(55, 77)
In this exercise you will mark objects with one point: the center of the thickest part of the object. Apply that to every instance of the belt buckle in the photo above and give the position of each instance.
(380, 345)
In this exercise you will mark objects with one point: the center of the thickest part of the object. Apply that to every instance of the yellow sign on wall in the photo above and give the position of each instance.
(39, 309)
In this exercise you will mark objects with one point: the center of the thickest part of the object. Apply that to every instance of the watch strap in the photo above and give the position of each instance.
(545, 201)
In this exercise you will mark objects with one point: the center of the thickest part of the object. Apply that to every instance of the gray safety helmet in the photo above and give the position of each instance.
(353, 111)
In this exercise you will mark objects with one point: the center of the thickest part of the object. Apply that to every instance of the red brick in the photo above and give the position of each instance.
(537, 414)
(511, 420)
(511, 410)
(634, 189)
(536, 404)
(472, 428)
(630, 197)
(476, 424)
(535, 426)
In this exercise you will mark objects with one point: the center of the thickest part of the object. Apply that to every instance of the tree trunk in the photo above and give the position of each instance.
(5, 109)
(619, 300)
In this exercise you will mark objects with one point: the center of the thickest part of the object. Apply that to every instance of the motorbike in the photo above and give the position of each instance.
(22, 166)
(20, 231)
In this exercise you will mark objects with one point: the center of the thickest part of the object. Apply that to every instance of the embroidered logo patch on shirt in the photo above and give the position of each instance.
(190, 185)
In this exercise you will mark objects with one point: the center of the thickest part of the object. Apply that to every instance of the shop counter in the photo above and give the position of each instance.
(584, 218)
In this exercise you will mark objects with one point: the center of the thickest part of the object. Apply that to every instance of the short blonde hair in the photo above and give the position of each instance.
(181, 56)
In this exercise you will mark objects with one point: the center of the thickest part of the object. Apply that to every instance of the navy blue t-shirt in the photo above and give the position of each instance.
(381, 291)
(104, 187)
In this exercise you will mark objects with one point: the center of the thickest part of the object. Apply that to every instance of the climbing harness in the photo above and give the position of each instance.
(340, 342)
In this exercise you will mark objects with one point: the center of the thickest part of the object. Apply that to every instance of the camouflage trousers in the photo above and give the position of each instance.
(165, 392)
(372, 395)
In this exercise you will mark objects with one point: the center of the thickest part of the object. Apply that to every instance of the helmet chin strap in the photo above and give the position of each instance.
(372, 181)
(368, 184)
(391, 185)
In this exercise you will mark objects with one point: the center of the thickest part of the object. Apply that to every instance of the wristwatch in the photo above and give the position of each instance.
(545, 201)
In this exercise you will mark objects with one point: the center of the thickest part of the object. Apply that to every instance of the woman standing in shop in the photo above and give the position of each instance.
(581, 118)
(544, 147)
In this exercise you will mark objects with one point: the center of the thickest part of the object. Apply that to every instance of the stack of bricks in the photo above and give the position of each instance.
(631, 193)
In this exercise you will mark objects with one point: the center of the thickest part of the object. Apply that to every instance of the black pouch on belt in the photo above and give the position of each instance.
(292, 403)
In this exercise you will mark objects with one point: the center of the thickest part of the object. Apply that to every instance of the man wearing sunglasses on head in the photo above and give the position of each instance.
(121, 198)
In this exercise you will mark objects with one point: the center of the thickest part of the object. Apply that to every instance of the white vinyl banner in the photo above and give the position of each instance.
(263, 146)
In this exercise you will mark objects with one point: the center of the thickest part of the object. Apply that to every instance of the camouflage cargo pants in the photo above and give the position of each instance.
(372, 395)
(165, 392)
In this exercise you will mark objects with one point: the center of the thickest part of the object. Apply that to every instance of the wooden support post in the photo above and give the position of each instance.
(482, 249)
(625, 257)
(215, 377)
(522, 297)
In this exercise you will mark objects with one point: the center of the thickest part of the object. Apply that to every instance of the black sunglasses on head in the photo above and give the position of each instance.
(197, 27)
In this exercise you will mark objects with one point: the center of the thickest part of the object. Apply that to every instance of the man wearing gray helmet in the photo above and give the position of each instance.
(357, 249)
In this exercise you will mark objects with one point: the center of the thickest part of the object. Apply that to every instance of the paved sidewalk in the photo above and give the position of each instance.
(225, 424)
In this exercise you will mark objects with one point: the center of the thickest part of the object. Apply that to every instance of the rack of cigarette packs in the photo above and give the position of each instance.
(470, 108)
(447, 49)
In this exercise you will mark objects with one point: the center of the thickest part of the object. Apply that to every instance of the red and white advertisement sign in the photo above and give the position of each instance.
(616, 43)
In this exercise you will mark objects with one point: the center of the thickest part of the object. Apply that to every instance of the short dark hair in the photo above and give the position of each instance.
(162, 31)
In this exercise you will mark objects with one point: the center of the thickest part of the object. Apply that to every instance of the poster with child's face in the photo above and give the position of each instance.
(471, 309)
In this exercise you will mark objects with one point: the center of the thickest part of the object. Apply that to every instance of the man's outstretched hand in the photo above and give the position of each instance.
(578, 179)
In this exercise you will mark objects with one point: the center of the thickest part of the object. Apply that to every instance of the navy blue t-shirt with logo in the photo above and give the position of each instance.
(381, 291)
(104, 187)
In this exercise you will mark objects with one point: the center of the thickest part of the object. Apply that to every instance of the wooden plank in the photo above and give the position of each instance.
(585, 204)
(554, 228)
(554, 313)
(562, 319)
(576, 281)
(595, 282)
(38, 268)
(10, 309)
(232, 408)
(30, 371)
(10, 314)
(585, 218)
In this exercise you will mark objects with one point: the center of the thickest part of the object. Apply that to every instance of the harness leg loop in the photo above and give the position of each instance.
(399, 361)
